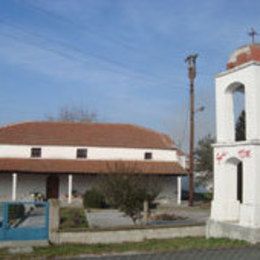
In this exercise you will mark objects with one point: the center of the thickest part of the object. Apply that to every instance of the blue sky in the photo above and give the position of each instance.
(123, 59)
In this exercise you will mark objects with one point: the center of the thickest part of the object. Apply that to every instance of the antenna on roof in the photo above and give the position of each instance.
(253, 33)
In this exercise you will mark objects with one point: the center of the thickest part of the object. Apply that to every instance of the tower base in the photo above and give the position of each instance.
(232, 230)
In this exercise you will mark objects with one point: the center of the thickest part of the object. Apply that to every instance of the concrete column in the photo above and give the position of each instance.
(14, 186)
(179, 188)
(54, 220)
(70, 179)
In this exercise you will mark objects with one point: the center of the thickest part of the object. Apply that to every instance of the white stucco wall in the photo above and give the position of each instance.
(228, 153)
(94, 153)
(5, 187)
(182, 161)
(249, 76)
(26, 185)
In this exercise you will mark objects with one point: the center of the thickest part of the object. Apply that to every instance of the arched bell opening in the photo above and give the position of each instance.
(237, 110)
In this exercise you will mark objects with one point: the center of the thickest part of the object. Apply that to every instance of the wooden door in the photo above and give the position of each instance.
(52, 187)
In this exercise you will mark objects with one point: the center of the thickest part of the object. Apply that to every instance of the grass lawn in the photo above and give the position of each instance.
(146, 246)
(72, 218)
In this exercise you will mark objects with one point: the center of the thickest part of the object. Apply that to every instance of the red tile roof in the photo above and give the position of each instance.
(51, 166)
(84, 134)
(243, 55)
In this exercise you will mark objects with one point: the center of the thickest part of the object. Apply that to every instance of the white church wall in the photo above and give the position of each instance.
(94, 153)
(168, 187)
(250, 209)
(80, 184)
(28, 184)
(225, 206)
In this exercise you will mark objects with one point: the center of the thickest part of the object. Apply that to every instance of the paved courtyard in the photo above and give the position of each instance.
(36, 218)
(109, 218)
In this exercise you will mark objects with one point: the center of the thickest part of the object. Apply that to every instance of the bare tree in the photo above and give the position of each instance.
(204, 161)
(74, 114)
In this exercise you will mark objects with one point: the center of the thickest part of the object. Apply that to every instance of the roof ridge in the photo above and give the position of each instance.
(162, 134)
(84, 123)
(15, 124)
(122, 134)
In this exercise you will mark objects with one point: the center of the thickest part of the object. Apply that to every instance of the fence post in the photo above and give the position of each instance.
(5, 215)
(54, 219)
(146, 212)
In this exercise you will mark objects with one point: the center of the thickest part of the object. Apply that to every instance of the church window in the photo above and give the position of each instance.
(148, 156)
(82, 153)
(36, 152)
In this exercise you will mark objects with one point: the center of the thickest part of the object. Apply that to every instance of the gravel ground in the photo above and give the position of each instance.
(107, 218)
(195, 214)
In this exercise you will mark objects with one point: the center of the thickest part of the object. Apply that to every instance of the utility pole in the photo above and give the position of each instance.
(191, 61)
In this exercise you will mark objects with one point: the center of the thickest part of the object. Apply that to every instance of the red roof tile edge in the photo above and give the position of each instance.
(54, 166)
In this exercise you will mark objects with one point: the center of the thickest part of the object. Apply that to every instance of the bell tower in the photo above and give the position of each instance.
(235, 211)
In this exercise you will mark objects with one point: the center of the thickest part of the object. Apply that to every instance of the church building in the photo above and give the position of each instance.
(63, 159)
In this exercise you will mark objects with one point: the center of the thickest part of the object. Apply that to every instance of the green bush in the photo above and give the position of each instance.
(16, 211)
(208, 196)
(94, 199)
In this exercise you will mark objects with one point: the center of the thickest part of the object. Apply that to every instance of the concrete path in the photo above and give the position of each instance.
(229, 254)
(36, 218)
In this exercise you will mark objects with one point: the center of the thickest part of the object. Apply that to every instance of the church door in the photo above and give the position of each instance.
(52, 187)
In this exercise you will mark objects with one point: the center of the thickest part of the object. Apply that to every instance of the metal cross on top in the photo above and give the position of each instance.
(253, 33)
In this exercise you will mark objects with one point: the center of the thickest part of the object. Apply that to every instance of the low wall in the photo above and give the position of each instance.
(218, 229)
(119, 236)
(24, 244)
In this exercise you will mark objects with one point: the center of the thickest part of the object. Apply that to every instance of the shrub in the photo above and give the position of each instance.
(16, 211)
(72, 218)
(126, 189)
(208, 196)
(94, 199)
